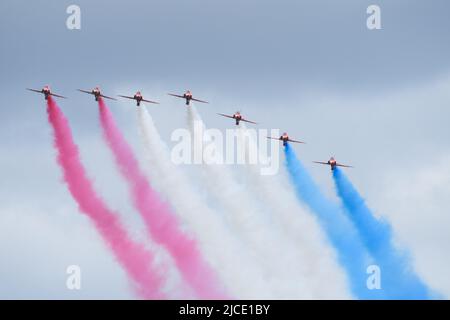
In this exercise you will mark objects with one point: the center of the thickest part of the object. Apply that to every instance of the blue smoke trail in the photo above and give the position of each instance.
(352, 255)
(398, 279)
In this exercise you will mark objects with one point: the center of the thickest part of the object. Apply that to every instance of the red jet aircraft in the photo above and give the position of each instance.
(188, 96)
(333, 164)
(96, 93)
(46, 92)
(139, 98)
(285, 138)
(237, 116)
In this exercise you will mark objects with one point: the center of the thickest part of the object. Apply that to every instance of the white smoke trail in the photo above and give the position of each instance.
(328, 280)
(285, 273)
(241, 276)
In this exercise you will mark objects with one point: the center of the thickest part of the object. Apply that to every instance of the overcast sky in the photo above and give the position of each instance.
(378, 99)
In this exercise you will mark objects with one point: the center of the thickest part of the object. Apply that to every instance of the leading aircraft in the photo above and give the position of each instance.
(285, 138)
(139, 98)
(46, 92)
(188, 96)
(96, 93)
(333, 163)
(237, 116)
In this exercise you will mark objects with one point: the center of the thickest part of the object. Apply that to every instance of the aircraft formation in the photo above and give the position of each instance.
(188, 97)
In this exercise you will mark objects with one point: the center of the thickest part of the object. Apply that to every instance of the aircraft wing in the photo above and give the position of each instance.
(245, 120)
(225, 115)
(57, 95)
(176, 95)
(149, 101)
(343, 165)
(320, 162)
(193, 99)
(85, 91)
(128, 97)
(296, 141)
(38, 91)
(106, 97)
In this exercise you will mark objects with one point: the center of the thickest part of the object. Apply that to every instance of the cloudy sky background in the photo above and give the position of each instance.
(376, 99)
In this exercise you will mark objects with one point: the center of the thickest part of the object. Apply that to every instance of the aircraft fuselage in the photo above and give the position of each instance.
(138, 99)
(332, 163)
(96, 94)
(238, 118)
(188, 98)
(46, 92)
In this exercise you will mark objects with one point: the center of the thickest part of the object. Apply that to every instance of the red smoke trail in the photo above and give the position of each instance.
(133, 257)
(161, 223)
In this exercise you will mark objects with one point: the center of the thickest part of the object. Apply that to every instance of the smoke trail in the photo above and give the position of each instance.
(398, 279)
(133, 257)
(162, 225)
(243, 279)
(351, 253)
(328, 280)
(269, 247)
